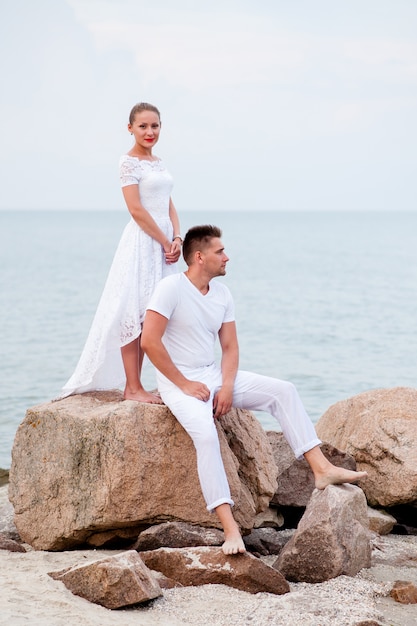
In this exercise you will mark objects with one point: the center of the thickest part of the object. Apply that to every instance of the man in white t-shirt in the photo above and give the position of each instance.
(186, 314)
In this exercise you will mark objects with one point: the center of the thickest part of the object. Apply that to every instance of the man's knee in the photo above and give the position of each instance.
(206, 436)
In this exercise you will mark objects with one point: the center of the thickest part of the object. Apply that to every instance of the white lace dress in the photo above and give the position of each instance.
(138, 264)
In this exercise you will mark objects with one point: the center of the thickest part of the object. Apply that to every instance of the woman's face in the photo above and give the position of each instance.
(146, 128)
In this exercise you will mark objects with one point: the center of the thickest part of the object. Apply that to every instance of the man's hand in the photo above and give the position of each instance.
(222, 402)
(196, 389)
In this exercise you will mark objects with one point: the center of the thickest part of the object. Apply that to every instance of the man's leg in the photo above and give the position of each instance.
(233, 542)
(281, 400)
(196, 417)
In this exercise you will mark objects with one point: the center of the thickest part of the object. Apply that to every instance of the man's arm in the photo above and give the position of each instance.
(151, 343)
(229, 364)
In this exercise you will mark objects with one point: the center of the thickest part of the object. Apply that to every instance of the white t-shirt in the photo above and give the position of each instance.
(194, 319)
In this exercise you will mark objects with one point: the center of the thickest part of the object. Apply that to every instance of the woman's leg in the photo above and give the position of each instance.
(132, 356)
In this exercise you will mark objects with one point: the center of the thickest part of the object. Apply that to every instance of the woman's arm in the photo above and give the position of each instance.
(174, 254)
(143, 218)
(173, 216)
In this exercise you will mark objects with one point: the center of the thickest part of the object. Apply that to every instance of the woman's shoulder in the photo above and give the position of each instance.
(134, 160)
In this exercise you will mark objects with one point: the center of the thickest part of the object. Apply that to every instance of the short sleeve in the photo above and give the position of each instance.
(129, 171)
(165, 296)
(229, 314)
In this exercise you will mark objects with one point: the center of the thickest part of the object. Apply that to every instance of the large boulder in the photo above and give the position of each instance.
(92, 465)
(331, 539)
(379, 429)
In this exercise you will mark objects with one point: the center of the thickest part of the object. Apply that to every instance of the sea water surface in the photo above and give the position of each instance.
(327, 300)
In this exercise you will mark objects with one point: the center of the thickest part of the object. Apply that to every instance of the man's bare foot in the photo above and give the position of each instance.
(143, 396)
(233, 544)
(337, 476)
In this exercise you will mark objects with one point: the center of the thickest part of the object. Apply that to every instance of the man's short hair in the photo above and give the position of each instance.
(198, 238)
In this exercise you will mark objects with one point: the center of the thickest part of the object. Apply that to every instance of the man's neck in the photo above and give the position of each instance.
(202, 283)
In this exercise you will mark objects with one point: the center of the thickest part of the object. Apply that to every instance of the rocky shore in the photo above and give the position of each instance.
(30, 595)
(93, 519)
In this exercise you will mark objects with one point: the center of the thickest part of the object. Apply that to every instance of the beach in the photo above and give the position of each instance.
(30, 596)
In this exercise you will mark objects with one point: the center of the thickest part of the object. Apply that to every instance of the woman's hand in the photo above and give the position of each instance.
(172, 252)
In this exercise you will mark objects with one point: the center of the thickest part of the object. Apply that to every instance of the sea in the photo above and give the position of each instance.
(327, 300)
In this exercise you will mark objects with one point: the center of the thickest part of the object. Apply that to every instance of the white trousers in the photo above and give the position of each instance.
(251, 391)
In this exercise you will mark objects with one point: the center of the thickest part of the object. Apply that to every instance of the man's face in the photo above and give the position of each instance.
(215, 258)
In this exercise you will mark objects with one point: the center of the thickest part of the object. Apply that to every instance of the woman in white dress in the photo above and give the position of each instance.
(148, 250)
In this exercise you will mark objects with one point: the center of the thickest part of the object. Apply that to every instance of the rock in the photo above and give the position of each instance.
(265, 541)
(388, 551)
(4, 476)
(380, 522)
(205, 565)
(270, 518)
(295, 478)
(332, 537)
(404, 592)
(406, 518)
(9, 544)
(379, 429)
(117, 538)
(177, 535)
(114, 582)
(165, 582)
(94, 466)
(7, 526)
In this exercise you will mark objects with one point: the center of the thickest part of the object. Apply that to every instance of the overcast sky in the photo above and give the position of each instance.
(266, 104)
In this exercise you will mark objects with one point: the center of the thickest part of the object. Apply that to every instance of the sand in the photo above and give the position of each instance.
(29, 596)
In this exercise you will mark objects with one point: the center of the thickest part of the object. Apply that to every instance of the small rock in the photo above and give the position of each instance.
(265, 541)
(270, 518)
(9, 544)
(404, 592)
(380, 522)
(205, 565)
(177, 535)
(4, 476)
(113, 582)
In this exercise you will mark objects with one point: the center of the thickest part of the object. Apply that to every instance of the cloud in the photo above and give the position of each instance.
(271, 103)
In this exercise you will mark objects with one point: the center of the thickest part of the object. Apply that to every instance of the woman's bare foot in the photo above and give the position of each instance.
(141, 395)
(337, 476)
(233, 543)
